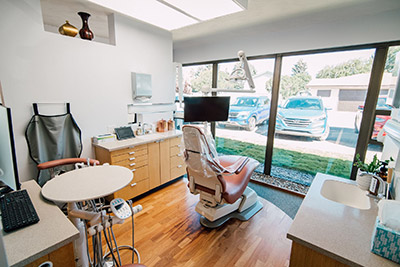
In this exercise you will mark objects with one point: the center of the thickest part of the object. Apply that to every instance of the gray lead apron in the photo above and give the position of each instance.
(53, 137)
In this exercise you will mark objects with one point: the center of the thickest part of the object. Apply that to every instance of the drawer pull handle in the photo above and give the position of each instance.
(132, 158)
(179, 145)
(132, 164)
(132, 152)
(133, 184)
(179, 166)
(133, 170)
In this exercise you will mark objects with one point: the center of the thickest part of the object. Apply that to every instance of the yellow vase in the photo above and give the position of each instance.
(68, 29)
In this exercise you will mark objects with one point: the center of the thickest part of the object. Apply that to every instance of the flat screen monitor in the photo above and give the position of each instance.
(8, 159)
(206, 109)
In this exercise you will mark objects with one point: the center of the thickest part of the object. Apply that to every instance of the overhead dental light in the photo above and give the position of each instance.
(239, 74)
(174, 14)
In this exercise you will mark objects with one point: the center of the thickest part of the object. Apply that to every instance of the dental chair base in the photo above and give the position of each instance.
(243, 209)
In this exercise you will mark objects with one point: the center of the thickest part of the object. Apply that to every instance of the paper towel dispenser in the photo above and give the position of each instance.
(141, 86)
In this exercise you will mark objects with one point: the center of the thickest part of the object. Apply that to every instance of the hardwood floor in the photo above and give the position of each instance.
(168, 233)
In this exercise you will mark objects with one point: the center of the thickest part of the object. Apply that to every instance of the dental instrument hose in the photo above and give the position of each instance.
(137, 209)
(115, 242)
(109, 247)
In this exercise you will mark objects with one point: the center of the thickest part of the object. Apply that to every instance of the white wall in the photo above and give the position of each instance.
(334, 28)
(39, 66)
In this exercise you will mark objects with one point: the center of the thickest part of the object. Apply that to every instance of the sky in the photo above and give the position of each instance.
(315, 63)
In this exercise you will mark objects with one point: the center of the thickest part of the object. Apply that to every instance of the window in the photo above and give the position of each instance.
(324, 93)
(245, 132)
(314, 133)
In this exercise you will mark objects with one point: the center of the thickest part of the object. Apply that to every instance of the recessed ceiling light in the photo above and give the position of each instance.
(150, 11)
(206, 9)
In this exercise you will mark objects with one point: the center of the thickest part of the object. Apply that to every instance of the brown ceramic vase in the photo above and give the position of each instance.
(85, 32)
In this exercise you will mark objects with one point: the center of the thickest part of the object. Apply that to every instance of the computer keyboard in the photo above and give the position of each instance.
(17, 210)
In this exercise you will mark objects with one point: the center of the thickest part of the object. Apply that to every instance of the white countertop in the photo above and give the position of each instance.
(335, 230)
(54, 230)
(139, 140)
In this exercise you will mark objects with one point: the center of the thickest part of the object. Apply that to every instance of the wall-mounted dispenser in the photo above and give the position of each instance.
(141, 86)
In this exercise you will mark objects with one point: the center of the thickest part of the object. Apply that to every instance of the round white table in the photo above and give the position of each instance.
(85, 184)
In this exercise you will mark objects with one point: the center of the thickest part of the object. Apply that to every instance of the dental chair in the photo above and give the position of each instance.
(221, 181)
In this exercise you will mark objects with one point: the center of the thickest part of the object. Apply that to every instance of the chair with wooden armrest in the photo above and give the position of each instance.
(221, 181)
(51, 165)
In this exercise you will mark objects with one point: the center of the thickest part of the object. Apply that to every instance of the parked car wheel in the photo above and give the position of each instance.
(252, 124)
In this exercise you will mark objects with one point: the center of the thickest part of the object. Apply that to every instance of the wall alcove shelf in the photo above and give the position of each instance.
(101, 23)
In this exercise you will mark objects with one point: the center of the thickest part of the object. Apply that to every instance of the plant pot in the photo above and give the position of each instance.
(363, 179)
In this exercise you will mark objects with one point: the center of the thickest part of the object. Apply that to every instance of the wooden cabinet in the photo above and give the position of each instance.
(177, 163)
(134, 158)
(159, 162)
(61, 257)
(152, 164)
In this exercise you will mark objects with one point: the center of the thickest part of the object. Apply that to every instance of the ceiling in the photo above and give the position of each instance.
(259, 12)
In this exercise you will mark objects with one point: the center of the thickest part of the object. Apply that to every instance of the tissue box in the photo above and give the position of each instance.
(386, 242)
(103, 138)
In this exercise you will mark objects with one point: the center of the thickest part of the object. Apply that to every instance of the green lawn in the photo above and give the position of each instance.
(308, 163)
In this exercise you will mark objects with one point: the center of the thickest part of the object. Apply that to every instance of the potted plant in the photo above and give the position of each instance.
(366, 171)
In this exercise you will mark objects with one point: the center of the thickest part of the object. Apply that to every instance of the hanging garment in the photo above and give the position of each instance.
(52, 137)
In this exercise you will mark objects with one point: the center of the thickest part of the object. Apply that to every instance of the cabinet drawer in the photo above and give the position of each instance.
(133, 189)
(128, 153)
(122, 154)
(133, 161)
(176, 141)
(140, 173)
(176, 161)
(134, 164)
(178, 171)
(175, 151)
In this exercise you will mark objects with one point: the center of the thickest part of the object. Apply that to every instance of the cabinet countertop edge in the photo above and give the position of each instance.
(140, 140)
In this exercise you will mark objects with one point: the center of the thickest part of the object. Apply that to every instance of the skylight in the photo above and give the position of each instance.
(206, 9)
(171, 14)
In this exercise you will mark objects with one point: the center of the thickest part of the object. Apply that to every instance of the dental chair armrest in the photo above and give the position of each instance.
(60, 162)
(234, 168)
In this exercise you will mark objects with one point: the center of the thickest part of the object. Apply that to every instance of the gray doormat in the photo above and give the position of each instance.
(281, 183)
(287, 202)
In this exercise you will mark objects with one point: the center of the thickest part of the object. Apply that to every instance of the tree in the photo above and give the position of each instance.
(202, 77)
(391, 58)
(295, 83)
(348, 68)
(358, 66)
